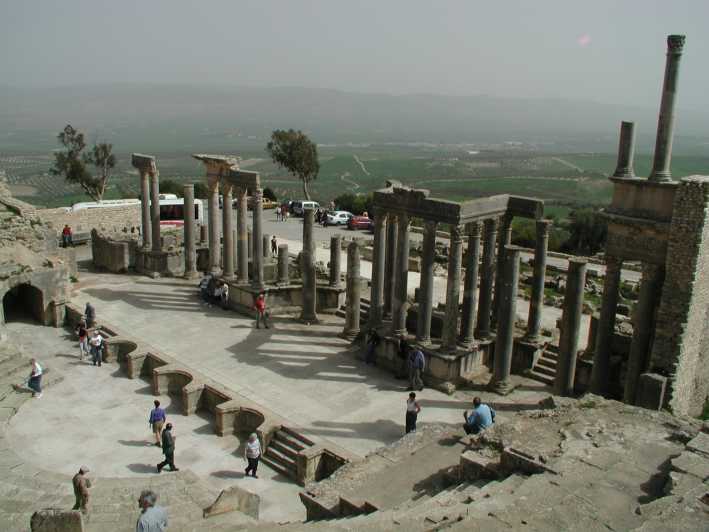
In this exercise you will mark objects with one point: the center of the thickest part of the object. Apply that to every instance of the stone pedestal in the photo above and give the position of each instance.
(308, 314)
(390, 265)
(487, 275)
(335, 260)
(425, 293)
(470, 288)
(398, 320)
(227, 232)
(189, 234)
(283, 275)
(353, 299)
(455, 259)
(606, 324)
(504, 343)
(536, 302)
(242, 238)
(570, 328)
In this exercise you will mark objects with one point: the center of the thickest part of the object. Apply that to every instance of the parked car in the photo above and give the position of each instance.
(338, 218)
(300, 206)
(265, 203)
(359, 222)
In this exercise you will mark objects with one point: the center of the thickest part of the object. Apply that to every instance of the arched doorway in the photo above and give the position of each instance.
(23, 302)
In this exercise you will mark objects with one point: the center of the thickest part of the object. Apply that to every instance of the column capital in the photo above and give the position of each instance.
(226, 186)
(213, 183)
(491, 225)
(456, 233)
(475, 229)
(543, 227)
(675, 44)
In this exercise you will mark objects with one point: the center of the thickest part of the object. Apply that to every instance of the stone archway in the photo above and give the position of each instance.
(24, 301)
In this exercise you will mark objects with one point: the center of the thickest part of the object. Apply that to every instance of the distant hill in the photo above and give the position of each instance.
(163, 117)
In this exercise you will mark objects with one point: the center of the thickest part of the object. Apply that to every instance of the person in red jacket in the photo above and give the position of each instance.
(261, 314)
(66, 236)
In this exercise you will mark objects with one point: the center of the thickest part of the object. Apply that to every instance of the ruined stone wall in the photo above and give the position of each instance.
(84, 220)
(114, 255)
(682, 335)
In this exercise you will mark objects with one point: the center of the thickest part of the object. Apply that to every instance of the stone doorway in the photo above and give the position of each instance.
(23, 302)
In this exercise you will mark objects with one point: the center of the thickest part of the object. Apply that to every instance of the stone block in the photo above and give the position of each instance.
(55, 520)
(474, 466)
(651, 391)
(233, 499)
(693, 464)
(700, 444)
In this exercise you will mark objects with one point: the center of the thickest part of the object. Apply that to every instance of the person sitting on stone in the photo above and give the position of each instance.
(81, 485)
(480, 418)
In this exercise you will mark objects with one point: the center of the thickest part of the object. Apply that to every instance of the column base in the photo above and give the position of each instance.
(350, 335)
(192, 275)
(309, 320)
(468, 343)
(532, 339)
(502, 387)
(398, 332)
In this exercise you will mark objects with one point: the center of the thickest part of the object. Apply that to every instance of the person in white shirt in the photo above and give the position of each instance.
(252, 453)
(34, 383)
(97, 348)
(225, 295)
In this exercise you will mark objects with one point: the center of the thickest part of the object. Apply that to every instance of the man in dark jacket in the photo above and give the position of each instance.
(168, 449)
(90, 314)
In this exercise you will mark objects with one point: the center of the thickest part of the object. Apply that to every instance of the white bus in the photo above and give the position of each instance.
(171, 208)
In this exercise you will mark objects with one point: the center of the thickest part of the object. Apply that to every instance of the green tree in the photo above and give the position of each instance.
(168, 186)
(268, 193)
(295, 152)
(201, 191)
(71, 163)
(588, 230)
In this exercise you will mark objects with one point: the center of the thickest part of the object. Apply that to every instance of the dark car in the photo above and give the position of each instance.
(359, 222)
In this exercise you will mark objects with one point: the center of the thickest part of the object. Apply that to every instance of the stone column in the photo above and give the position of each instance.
(335, 260)
(283, 276)
(308, 269)
(504, 342)
(376, 305)
(242, 239)
(214, 236)
(155, 210)
(250, 242)
(487, 274)
(203, 234)
(227, 232)
(425, 310)
(390, 265)
(504, 239)
(606, 327)
(666, 121)
(536, 302)
(571, 325)
(353, 299)
(470, 289)
(643, 326)
(626, 151)
(189, 233)
(398, 309)
(145, 210)
(455, 261)
(235, 240)
(266, 246)
(257, 255)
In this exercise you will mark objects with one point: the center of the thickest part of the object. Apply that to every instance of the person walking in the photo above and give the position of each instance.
(34, 382)
(152, 518)
(274, 246)
(480, 418)
(83, 335)
(252, 453)
(278, 213)
(168, 449)
(67, 236)
(261, 313)
(81, 484)
(96, 348)
(374, 340)
(225, 296)
(412, 411)
(90, 315)
(156, 421)
(416, 364)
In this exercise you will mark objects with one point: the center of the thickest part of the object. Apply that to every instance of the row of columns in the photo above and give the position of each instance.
(150, 207)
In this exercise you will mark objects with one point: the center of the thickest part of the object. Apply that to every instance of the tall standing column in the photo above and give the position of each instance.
(283, 276)
(470, 289)
(643, 326)
(666, 120)
(335, 260)
(398, 309)
(266, 246)
(571, 325)
(606, 326)
(504, 239)
(145, 209)
(536, 302)
(376, 305)
(455, 262)
(242, 241)
(257, 265)
(487, 274)
(308, 266)
(155, 210)
(390, 266)
(214, 236)
(626, 151)
(504, 342)
(353, 300)
(227, 232)
(425, 310)
(189, 233)
(235, 240)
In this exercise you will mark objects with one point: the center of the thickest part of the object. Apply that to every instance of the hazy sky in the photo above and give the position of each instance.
(603, 50)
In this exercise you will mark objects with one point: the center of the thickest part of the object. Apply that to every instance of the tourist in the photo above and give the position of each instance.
(374, 341)
(252, 453)
(152, 518)
(416, 364)
(96, 348)
(225, 296)
(67, 236)
(168, 449)
(481, 417)
(156, 421)
(83, 335)
(412, 411)
(278, 213)
(81, 485)
(217, 292)
(204, 287)
(274, 246)
(286, 215)
(90, 315)
(403, 356)
(34, 382)
(261, 314)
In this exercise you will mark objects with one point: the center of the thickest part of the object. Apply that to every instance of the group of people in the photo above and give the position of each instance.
(214, 291)
(91, 342)
(481, 417)
(164, 437)
(282, 213)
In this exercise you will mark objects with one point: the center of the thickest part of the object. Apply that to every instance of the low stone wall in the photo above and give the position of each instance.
(113, 255)
(84, 220)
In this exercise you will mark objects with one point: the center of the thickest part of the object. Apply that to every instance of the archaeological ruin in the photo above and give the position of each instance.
(597, 423)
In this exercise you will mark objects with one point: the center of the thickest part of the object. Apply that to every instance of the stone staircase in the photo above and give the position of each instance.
(283, 449)
(544, 370)
(363, 311)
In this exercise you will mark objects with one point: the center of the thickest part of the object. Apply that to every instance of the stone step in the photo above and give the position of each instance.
(298, 436)
(282, 459)
(288, 441)
(277, 467)
(551, 355)
(545, 379)
(545, 370)
(547, 363)
(283, 449)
